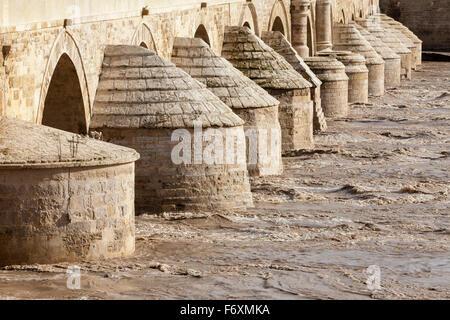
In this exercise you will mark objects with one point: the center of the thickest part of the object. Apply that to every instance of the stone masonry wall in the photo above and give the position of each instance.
(37, 47)
(162, 185)
(428, 19)
(53, 215)
(269, 161)
(358, 84)
(296, 118)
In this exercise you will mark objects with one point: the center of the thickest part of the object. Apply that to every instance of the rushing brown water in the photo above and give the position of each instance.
(375, 191)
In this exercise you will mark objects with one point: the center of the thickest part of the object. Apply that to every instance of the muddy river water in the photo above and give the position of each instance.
(370, 203)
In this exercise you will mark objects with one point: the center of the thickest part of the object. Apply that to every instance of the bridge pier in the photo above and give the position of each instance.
(146, 103)
(249, 101)
(392, 63)
(388, 23)
(358, 74)
(384, 34)
(272, 72)
(64, 198)
(334, 89)
(348, 38)
(281, 45)
(417, 42)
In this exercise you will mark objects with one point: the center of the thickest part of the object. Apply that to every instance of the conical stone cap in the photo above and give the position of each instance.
(29, 145)
(380, 47)
(411, 35)
(327, 68)
(246, 52)
(277, 41)
(139, 89)
(374, 27)
(402, 28)
(194, 56)
(393, 28)
(353, 62)
(350, 39)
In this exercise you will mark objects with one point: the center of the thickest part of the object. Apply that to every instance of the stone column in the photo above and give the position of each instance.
(323, 25)
(299, 15)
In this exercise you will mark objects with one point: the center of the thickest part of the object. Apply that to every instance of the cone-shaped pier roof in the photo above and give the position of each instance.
(402, 28)
(139, 89)
(380, 47)
(194, 56)
(372, 24)
(277, 41)
(386, 24)
(349, 38)
(259, 62)
(29, 145)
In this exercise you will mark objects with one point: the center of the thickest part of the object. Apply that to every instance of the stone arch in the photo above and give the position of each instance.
(310, 37)
(65, 61)
(342, 17)
(278, 26)
(279, 11)
(202, 33)
(361, 13)
(249, 18)
(63, 106)
(144, 35)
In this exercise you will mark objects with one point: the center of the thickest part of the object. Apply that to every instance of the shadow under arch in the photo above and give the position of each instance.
(342, 18)
(202, 33)
(278, 26)
(355, 11)
(310, 37)
(64, 71)
(63, 107)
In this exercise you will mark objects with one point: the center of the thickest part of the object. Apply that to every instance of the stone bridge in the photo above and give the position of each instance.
(242, 68)
(52, 51)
